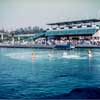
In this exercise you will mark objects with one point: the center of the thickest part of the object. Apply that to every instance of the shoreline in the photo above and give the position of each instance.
(44, 46)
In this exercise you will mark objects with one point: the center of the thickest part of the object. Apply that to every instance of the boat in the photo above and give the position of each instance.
(64, 46)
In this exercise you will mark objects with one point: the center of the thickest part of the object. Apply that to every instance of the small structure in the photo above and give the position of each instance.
(96, 38)
(96, 35)
(4, 35)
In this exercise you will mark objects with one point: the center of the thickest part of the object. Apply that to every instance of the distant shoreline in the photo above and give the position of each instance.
(44, 46)
(27, 46)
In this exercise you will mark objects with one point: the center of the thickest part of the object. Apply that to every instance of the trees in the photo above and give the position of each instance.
(29, 30)
(36, 29)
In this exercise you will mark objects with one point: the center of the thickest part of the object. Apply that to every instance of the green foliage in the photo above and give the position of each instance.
(29, 30)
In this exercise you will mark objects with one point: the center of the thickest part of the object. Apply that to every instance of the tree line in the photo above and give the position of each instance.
(28, 30)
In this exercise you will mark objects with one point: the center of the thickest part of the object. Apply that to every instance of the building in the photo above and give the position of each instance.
(80, 29)
(70, 30)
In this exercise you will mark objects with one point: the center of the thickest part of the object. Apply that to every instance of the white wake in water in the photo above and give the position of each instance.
(19, 56)
(27, 56)
(72, 56)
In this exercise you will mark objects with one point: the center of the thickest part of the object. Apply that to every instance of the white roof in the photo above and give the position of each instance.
(97, 34)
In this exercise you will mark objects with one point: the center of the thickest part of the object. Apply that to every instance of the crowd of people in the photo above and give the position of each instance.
(43, 41)
(50, 42)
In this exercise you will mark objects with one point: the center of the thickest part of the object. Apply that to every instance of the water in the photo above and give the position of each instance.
(49, 73)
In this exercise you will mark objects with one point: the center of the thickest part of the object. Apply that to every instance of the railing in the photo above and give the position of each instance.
(72, 31)
(36, 36)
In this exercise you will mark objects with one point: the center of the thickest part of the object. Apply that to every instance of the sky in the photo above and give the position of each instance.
(23, 13)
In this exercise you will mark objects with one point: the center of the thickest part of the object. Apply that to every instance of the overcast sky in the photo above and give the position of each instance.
(22, 13)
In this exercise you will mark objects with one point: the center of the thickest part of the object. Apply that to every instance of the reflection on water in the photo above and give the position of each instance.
(21, 76)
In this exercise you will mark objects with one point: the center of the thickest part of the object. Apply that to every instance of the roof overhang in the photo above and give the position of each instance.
(76, 22)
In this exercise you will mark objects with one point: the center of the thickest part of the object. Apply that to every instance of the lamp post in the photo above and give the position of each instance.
(12, 36)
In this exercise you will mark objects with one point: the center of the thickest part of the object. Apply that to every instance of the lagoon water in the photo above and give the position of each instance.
(24, 77)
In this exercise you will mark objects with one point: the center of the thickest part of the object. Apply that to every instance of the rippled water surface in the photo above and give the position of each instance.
(49, 73)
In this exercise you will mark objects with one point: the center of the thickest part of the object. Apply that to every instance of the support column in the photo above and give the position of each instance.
(13, 40)
(18, 38)
(2, 36)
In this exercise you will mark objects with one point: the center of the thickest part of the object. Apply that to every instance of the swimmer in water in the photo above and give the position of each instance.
(49, 55)
(33, 55)
(65, 54)
(89, 53)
